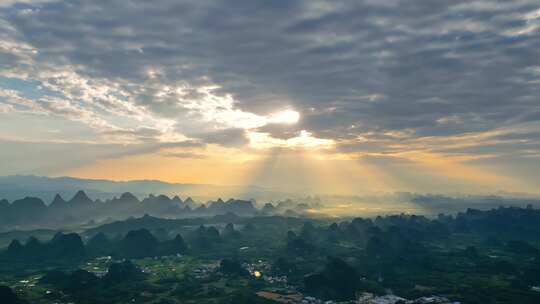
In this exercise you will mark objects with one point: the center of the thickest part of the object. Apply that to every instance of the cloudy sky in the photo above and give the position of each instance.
(327, 96)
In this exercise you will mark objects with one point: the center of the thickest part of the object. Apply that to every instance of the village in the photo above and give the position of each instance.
(275, 288)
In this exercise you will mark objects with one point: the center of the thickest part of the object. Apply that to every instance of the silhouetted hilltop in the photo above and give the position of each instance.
(61, 247)
(337, 281)
(58, 202)
(29, 209)
(176, 199)
(123, 271)
(29, 204)
(81, 198)
(239, 207)
(68, 248)
(189, 202)
(100, 245)
(17, 186)
(32, 212)
(174, 246)
(154, 223)
(138, 244)
(128, 198)
(268, 208)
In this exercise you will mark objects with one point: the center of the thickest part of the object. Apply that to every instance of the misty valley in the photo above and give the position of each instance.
(168, 250)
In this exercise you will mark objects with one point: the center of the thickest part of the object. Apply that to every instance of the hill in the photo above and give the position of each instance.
(16, 186)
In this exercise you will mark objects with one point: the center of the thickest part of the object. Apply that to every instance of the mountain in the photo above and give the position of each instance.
(81, 199)
(30, 204)
(122, 272)
(139, 244)
(161, 205)
(218, 206)
(27, 209)
(99, 245)
(66, 246)
(174, 246)
(33, 213)
(15, 186)
(189, 202)
(61, 247)
(4, 207)
(177, 200)
(239, 207)
(268, 209)
(59, 203)
(128, 198)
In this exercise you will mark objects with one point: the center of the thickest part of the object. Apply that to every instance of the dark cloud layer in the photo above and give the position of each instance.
(227, 138)
(436, 68)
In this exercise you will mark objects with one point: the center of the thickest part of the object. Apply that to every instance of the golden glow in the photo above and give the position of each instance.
(367, 208)
(305, 139)
(455, 167)
(307, 165)
(216, 165)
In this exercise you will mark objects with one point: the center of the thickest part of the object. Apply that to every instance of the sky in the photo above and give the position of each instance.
(343, 97)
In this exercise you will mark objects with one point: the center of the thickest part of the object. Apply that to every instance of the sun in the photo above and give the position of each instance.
(285, 117)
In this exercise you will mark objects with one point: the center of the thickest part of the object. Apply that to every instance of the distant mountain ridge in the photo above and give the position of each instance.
(32, 212)
(14, 187)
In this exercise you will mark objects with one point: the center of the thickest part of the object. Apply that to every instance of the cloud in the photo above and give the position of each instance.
(48, 105)
(138, 149)
(385, 160)
(185, 155)
(214, 72)
(50, 158)
(8, 3)
(226, 137)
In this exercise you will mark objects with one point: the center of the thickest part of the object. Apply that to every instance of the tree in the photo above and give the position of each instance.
(139, 244)
(7, 296)
(99, 245)
(338, 281)
(122, 272)
(231, 267)
(174, 246)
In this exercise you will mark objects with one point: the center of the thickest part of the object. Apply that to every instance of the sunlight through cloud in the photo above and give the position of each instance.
(284, 117)
(304, 140)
